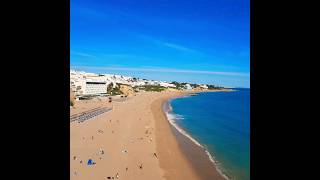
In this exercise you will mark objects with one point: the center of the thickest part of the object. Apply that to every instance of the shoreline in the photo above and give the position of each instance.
(171, 118)
(171, 157)
(135, 133)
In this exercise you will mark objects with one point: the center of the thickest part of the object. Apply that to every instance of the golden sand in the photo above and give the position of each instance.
(135, 137)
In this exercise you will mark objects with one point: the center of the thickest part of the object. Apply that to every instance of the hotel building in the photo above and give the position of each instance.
(95, 87)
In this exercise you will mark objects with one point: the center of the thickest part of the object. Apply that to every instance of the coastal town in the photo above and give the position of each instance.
(84, 85)
(119, 130)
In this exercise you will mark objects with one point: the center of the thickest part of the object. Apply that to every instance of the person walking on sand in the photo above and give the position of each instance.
(101, 151)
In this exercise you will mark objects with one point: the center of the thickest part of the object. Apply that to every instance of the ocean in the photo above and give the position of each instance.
(220, 122)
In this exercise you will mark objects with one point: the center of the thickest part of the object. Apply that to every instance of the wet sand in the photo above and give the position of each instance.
(171, 158)
(198, 158)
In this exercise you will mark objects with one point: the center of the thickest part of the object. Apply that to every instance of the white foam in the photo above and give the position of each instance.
(172, 118)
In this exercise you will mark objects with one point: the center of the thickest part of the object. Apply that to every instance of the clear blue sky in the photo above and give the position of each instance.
(197, 41)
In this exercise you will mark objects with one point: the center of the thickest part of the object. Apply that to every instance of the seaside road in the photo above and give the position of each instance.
(89, 114)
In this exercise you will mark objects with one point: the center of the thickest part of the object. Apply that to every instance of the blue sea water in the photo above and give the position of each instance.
(220, 121)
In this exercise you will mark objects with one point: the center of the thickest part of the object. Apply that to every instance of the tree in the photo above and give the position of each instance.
(178, 85)
(109, 88)
(210, 86)
(116, 90)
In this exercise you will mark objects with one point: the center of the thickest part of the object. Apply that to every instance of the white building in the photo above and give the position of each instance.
(204, 86)
(138, 83)
(83, 83)
(95, 88)
(88, 83)
(165, 84)
(188, 87)
(77, 83)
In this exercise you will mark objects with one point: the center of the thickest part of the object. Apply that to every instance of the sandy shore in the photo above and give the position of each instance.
(134, 141)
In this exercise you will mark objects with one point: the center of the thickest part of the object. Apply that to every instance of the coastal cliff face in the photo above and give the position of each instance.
(198, 88)
(126, 90)
(172, 90)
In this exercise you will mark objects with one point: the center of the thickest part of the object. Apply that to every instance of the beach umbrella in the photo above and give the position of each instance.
(90, 162)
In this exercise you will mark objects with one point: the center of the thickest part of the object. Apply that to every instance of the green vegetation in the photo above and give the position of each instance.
(182, 85)
(156, 88)
(114, 91)
(194, 85)
(179, 85)
(210, 86)
(109, 88)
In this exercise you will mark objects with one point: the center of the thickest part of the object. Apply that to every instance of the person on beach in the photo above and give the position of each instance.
(101, 151)
(90, 162)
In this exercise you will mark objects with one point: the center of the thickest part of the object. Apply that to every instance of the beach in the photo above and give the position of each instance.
(135, 141)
